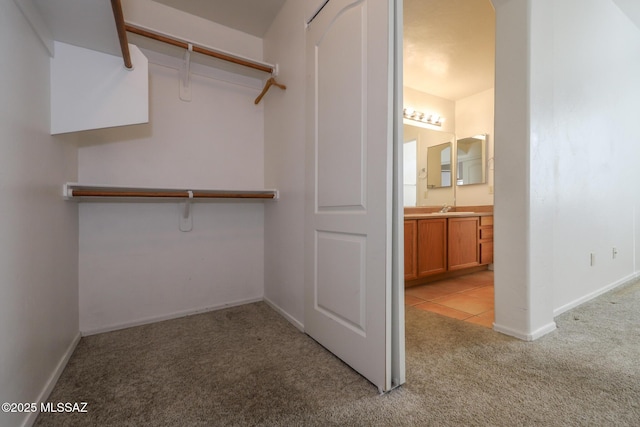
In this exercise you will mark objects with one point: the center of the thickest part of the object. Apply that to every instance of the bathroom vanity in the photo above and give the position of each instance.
(442, 170)
(439, 245)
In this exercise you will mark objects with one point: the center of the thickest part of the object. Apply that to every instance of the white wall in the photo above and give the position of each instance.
(566, 93)
(135, 264)
(631, 8)
(474, 115)
(285, 144)
(428, 103)
(584, 157)
(522, 309)
(38, 231)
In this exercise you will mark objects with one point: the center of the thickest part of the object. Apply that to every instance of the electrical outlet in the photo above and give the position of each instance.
(491, 189)
(614, 253)
(593, 259)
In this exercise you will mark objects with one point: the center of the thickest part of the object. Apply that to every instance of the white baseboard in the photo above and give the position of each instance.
(284, 314)
(544, 330)
(174, 315)
(526, 336)
(53, 379)
(573, 304)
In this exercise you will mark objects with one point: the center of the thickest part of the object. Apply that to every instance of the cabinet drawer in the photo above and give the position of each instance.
(486, 220)
(486, 233)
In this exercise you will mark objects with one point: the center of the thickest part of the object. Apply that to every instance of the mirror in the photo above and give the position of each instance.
(439, 166)
(471, 160)
(427, 167)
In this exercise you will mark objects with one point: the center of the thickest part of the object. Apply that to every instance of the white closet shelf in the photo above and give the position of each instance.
(82, 192)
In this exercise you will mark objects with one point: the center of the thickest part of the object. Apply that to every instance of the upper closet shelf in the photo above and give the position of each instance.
(189, 47)
(201, 49)
(79, 192)
(124, 27)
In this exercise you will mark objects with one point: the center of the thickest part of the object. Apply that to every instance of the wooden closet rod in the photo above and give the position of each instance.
(175, 42)
(197, 194)
(116, 5)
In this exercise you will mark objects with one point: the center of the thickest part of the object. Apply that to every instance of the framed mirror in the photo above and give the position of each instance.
(439, 166)
(471, 160)
(428, 172)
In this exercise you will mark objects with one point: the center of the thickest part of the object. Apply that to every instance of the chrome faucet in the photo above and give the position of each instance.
(445, 208)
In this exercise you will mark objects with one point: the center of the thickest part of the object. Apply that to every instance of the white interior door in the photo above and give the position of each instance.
(348, 279)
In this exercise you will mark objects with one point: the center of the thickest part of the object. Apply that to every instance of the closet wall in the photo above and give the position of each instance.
(284, 133)
(135, 265)
(38, 231)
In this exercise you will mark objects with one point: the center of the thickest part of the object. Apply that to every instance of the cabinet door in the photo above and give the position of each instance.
(486, 253)
(463, 242)
(432, 246)
(410, 250)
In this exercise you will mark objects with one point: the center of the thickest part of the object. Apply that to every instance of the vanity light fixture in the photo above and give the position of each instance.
(418, 116)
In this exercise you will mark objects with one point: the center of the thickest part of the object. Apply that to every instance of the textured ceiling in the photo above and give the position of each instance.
(249, 16)
(449, 46)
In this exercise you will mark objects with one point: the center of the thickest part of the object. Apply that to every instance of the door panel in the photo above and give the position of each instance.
(349, 185)
(340, 166)
(340, 280)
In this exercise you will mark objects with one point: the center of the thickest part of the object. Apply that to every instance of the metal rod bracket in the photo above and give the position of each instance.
(186, 219)
(185, 75)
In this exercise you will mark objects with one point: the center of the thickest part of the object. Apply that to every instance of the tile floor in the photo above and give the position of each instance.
(468, 298)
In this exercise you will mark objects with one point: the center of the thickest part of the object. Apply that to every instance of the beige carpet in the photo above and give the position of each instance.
(248, 366)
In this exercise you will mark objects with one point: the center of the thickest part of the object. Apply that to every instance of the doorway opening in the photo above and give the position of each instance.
(448, 105)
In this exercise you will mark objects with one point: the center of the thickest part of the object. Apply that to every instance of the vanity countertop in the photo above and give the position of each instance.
(445, 215)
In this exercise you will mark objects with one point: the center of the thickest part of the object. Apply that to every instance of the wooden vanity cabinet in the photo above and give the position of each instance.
(441, 245)
(463, 243)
